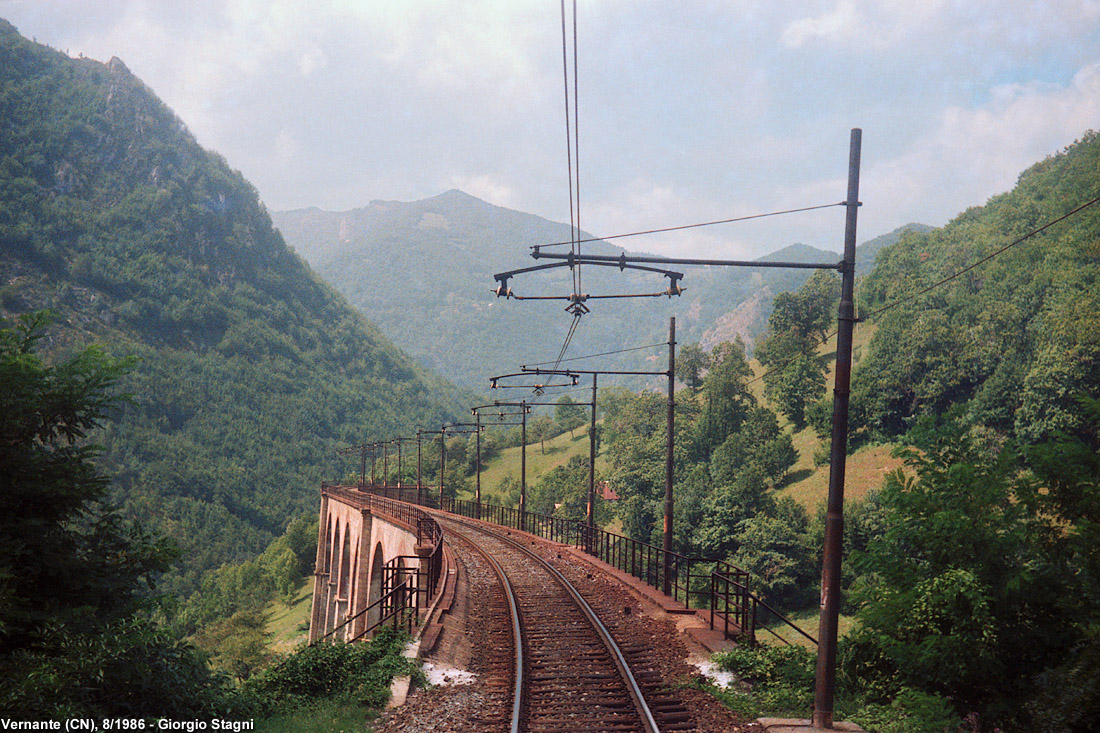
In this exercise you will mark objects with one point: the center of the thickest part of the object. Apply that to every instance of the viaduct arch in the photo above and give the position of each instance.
(361, 554)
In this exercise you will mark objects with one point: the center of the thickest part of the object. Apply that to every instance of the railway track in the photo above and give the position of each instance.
(567, 673)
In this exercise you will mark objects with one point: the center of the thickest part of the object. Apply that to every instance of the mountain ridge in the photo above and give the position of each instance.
(251, 369)
(413, 246)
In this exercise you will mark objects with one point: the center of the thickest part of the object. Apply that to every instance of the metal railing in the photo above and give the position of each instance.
(701, 583)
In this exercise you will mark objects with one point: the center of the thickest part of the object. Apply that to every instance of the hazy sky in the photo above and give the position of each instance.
(688, 111)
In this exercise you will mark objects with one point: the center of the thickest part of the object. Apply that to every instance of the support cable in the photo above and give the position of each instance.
(937, 284)
(662, 230)
(605, 353)
(577, 144)
(568, 339)
(568, 141)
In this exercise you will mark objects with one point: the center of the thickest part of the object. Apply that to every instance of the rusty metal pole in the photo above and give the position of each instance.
(363, 467)
(373, 460)
(825, 686)
(477, 466)
(590, 518)
(385, 465)
(666, 543)
(398, 441)
(419, 498)
(442, 462)
(523, 469)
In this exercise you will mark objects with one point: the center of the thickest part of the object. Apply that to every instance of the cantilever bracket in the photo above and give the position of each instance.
(503, 291)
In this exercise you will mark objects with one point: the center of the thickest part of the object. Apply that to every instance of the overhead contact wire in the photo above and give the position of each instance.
(568, 138)
(577, 143)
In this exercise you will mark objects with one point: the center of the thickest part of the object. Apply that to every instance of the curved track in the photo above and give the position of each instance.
(569, 674)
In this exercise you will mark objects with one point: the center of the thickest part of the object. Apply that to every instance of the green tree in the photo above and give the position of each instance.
(541, 429)
(984, 577)
(75, 579)
(568, 414)
(779, 550)
(726, 397)
(238, 644)
(691, 362)
(798, 323)
(563, 491)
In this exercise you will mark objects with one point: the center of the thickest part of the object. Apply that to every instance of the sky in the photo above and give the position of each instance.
(686, 112)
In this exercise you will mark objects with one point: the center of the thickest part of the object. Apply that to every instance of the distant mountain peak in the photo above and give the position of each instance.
(117, 66)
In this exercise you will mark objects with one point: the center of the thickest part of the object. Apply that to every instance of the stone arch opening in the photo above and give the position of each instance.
(344, 592)
(377, 565)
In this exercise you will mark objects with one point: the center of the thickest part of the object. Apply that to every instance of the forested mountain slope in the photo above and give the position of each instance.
(1016, 340)
(423, 271)
(250, 370)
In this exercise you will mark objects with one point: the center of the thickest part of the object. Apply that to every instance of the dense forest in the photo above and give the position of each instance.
(249, 371)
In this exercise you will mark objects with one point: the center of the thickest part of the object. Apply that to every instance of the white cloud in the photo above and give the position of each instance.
(486, 187)
(840, 24)
(975, 153)
(688, 113)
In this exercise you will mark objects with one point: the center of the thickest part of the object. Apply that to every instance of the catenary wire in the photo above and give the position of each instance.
(692, 226)
(568, 140)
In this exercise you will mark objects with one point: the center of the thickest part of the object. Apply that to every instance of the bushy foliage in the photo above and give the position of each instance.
(359, 672)
(984, 577)
(773, 680)
(563, 492)
(1013, 340)
(795, 377)
(729, 454)
(248, 586)
(779, 681)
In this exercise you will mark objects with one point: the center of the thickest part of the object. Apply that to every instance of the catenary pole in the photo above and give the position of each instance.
(590, 515)
(825, 687)
(523, 471)
(477, 467)
(670, 427)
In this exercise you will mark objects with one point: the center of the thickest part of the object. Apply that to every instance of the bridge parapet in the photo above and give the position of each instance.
(379, 562)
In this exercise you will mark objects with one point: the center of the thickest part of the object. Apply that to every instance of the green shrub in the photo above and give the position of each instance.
(912, 711)
(777, 680)
(360, 673)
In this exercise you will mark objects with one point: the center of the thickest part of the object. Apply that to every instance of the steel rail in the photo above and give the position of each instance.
(517, 634)
(648, 721)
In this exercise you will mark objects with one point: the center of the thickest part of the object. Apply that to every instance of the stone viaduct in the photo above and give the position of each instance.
(368, 548)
